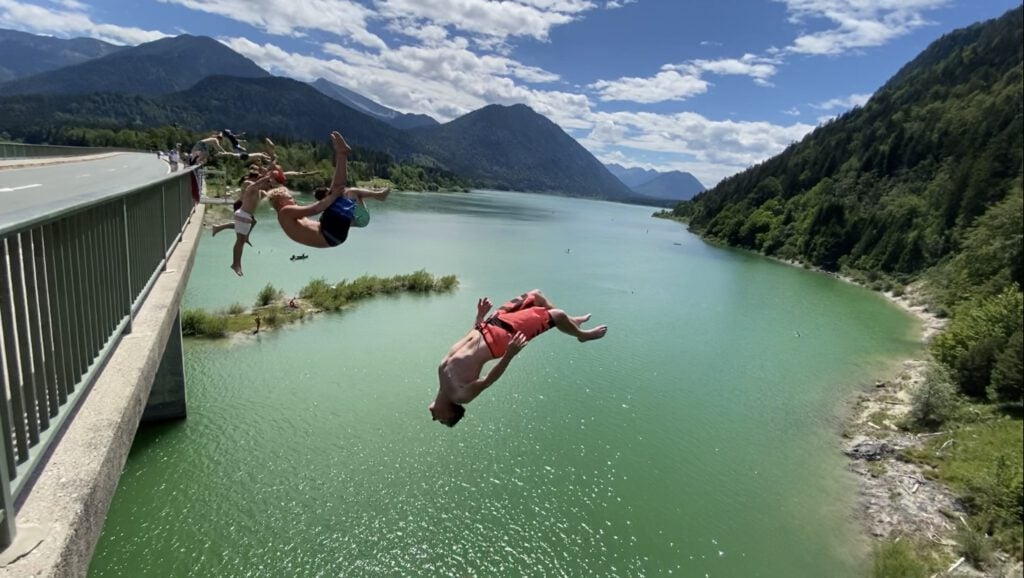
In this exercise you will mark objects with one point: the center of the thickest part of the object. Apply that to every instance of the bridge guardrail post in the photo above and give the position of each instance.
(58, 316)
(163, 223)
(126, 255)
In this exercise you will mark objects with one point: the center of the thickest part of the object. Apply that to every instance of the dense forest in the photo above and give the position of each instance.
(364, 166)
(923, 185)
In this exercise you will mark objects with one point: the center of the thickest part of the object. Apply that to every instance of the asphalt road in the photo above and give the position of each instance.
(31, 192)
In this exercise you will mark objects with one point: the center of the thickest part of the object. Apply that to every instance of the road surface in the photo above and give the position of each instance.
(31, 192)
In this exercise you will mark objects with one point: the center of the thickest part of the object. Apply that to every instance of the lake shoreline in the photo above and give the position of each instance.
(895, 499)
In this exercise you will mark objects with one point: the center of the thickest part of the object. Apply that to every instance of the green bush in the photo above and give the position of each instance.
(980, 329)
(236, 309)
(1008, 373)
(332, 297)
(268, 295)
(198, 323)
(897, 560)
(935, 402)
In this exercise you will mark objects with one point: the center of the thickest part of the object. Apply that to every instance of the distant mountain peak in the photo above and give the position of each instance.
(671, 185)
(365, 105)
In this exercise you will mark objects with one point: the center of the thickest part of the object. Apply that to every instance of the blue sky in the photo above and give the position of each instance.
(705, 86)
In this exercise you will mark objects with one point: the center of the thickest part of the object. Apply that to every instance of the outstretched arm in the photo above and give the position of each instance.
(483, 306)
(259, 183)
(309, 210)
(514, 347)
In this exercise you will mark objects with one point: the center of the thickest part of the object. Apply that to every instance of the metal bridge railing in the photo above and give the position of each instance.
(14, 150)
(70, 285)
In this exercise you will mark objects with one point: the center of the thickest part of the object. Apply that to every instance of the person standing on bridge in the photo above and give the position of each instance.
(174, 157)
(501, 336)
(338, 204)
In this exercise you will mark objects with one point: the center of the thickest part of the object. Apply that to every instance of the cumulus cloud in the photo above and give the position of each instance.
(292, 18)
(681, 81)
(72, 21)
(855, 23)
(717, 148)
(666, 85)
(489, 18)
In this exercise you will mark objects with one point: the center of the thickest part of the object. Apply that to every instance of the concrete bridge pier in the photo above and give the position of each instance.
(167, 397)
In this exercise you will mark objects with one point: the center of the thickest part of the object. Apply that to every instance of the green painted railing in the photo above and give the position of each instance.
(14, 150)
(70, 284)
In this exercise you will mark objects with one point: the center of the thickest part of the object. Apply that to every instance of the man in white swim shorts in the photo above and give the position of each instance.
(245, 208)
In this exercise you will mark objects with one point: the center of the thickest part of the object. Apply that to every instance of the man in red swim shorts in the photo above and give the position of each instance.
(501, 336)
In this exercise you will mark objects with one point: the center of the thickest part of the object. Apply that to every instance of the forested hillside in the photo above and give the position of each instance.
(922, 184)
(896, 185)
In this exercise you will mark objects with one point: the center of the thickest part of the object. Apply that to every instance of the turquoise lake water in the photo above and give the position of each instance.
(700, 437)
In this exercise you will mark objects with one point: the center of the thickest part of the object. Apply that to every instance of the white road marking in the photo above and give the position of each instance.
(82, 176)
(12, 189)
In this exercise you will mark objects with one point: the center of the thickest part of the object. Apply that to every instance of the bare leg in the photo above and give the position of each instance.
(567, 324)
(222, 227)
(341, 151)
(236, 265)
(357, 193)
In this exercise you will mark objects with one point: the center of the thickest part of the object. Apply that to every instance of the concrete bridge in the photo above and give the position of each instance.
(96, 247)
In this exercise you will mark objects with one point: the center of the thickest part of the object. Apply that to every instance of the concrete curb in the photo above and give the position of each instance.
(70, 499)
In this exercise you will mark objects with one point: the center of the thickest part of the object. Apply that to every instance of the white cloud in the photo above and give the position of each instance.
(718, 148)
(681, 81)
(666, 85)
(855, 23)
(794, 111)
(489, 18)
(291, 17)
(73, 21)
(843, 102)
(756, 67)
(612, 4)
(71, 4)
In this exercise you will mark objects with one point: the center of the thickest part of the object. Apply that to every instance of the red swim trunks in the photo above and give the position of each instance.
(519, 314)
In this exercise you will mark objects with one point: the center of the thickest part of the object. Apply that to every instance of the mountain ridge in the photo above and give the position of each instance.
(160, 67)
(27, 54)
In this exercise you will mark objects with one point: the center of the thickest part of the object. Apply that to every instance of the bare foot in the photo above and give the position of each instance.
(595, 333)
(384, 193)
(238, 271)
(340, 146)
(219, 228)
(581, 319)
(268, 142)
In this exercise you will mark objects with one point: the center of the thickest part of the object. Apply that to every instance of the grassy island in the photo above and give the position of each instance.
(273, 310)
